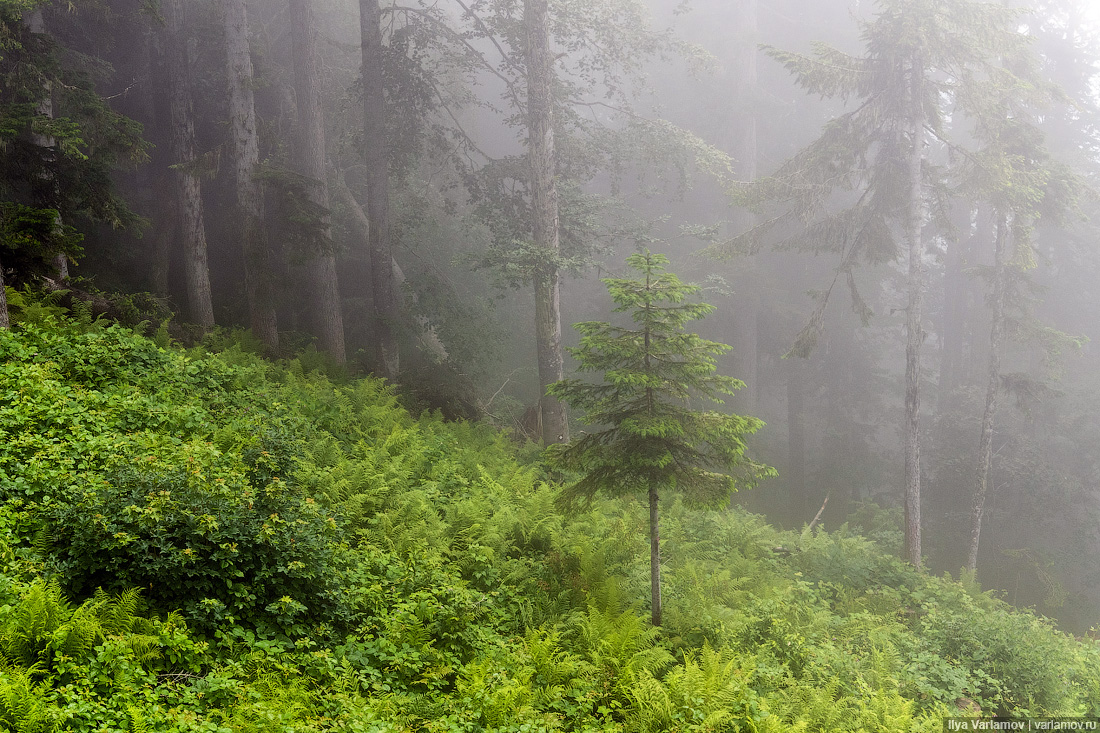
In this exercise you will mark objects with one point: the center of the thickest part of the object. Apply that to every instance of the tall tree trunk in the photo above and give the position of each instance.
(914, 330)
(743, 150)
(985, 444)
(187, 192)
(796, 441)
(246, 159)
(359, 222)
(542, 163)
(5, 320)
(156, 177)
(36, 23)
(325, 291)
(954, 305)
(378, 188)
(654, 557)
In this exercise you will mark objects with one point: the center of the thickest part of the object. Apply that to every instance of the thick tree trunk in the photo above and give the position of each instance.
(187, 192)
(327, 317)
(246, 159)
(378, 188)
(914, 330)
(544, 216)
(654, 557)
(985, 444)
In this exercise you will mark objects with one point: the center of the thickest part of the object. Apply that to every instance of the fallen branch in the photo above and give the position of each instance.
(818, 515)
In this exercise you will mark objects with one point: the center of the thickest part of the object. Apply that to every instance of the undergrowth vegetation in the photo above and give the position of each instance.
(201, 540)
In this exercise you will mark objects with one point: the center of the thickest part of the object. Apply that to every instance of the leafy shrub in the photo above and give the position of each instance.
(207, 542)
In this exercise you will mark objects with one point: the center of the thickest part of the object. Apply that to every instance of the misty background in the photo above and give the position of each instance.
(664, 113)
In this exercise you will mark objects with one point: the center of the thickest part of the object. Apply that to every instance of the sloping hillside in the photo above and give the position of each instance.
(200, 541)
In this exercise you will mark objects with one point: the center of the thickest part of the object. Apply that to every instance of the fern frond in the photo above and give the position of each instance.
(22, 705)
(33, 623)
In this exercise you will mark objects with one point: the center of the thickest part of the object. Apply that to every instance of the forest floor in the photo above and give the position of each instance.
(203, 540)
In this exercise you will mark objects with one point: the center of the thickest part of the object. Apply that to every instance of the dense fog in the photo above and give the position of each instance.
(892, 206)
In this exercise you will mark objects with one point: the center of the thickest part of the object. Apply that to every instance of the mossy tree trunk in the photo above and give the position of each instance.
(48, 189)
(5, 320)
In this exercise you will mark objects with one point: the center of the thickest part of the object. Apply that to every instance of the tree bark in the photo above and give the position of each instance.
(914, 330)
(985, 443)
(246, 159)
(378, 188)
(327, 317)
(654, 558)
(544, 216)
(187, 191)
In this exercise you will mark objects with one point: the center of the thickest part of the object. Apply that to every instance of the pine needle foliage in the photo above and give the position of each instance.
(653, 372)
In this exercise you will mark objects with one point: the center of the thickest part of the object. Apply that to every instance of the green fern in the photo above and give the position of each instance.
(817, 708)
(623, 648)
(77, 636)
(708, 693)
(555, 669)
(138, 722)
(81, 313)
(23, 708)
(34, 623)
(652, 710)
(45, 625)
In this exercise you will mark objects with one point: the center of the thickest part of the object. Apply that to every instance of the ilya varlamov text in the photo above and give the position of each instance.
(1021, 724)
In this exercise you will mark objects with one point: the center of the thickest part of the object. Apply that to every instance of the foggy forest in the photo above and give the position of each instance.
(539, 365)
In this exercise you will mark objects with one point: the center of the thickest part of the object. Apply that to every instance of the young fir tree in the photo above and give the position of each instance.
(653, 437)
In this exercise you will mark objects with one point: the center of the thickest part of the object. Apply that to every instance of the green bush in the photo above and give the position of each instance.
(206, 541)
